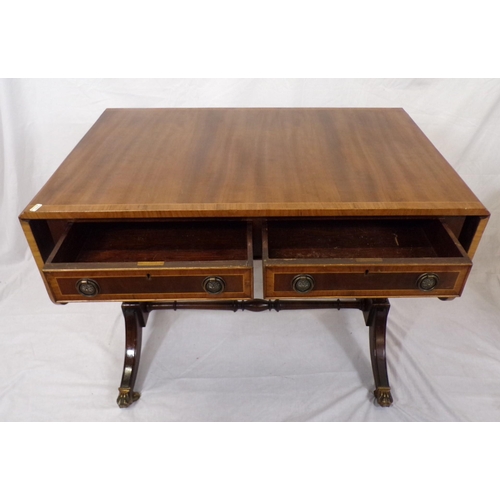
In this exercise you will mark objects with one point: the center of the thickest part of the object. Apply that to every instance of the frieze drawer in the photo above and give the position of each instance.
(362, 258)
(152, 260)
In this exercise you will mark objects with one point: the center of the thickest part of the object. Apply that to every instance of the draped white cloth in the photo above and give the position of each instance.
(63, 363)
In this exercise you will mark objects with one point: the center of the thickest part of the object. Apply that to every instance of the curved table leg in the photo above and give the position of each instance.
(136, 317)
(376, 312)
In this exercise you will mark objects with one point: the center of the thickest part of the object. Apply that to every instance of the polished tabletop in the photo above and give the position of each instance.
(252, 162)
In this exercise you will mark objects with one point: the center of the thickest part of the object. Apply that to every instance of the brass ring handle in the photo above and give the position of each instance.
(427, 281)
(303, 283)
(214, 285)
(87, 287)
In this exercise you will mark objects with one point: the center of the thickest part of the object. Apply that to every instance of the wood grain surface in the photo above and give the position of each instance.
(253, 163)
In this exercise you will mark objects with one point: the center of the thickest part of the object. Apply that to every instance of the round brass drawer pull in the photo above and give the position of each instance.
(87, 287)
(214, 285)
(427, 282)
(303, 283)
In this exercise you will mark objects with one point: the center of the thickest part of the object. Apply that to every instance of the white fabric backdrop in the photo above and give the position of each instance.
(64, 362)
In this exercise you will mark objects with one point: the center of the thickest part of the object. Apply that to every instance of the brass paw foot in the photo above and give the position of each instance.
(127, 397)
(383, 396)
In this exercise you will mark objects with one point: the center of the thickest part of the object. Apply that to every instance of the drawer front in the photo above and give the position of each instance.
(151, 285)
(361, 281)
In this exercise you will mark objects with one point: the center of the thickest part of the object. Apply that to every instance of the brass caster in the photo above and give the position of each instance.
(383, 396)
(127, 397)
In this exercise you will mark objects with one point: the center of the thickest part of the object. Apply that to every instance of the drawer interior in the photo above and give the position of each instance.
(152, 241)
(362, 238)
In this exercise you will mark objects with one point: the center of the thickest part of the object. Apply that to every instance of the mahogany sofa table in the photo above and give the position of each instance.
(168, 208)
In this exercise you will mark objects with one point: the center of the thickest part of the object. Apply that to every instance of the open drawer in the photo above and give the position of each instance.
(362, 258)
(152, 260)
